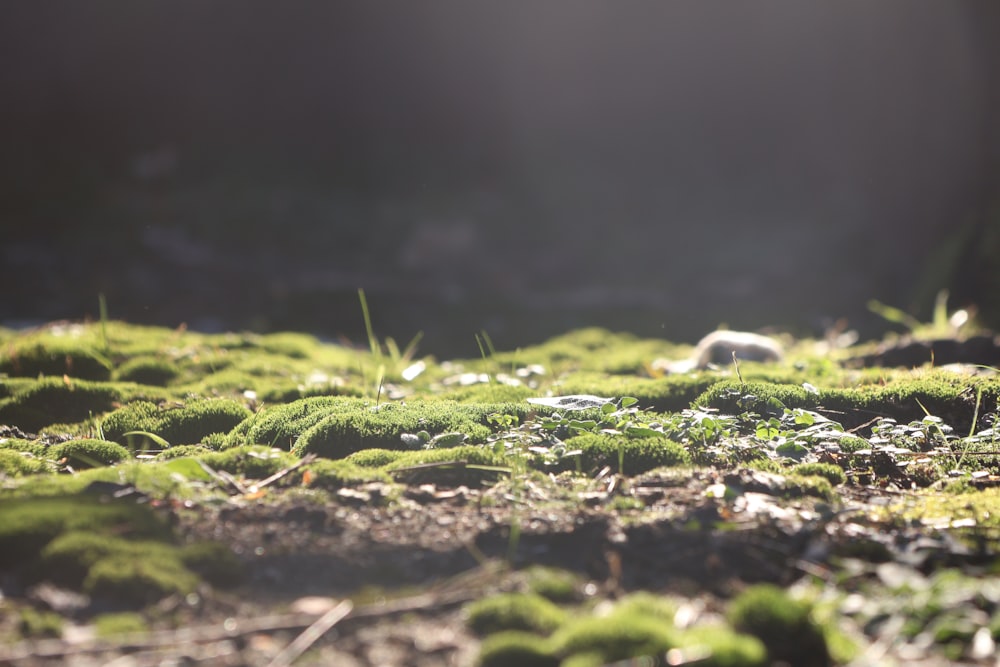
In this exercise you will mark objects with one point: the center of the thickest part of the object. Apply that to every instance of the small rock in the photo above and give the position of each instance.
(718, 347)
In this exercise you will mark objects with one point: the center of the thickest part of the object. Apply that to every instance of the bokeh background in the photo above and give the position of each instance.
(521, 168)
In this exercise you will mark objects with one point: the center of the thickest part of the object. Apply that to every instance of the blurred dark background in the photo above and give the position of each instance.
(519, 168)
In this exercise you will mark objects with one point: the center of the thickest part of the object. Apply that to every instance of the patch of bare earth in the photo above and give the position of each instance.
(354, 580)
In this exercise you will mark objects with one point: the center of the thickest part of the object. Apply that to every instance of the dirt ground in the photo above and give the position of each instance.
(353, 582)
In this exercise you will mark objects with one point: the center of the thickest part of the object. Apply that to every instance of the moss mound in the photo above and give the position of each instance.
(186, 425)
(618, 636)
(252, 462)
(782, 623)
(55, 400)
(516, 649)
(343, 431)
(148, 370)
(527, 612)
(637, 455)
(37, 356)
(15, 463)
(89, 453)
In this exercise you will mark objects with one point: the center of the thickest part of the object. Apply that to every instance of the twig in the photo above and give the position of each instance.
(311, 635)
(58, 648)
(308, 458)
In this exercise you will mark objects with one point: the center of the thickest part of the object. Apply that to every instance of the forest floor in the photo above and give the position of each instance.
(375, 508)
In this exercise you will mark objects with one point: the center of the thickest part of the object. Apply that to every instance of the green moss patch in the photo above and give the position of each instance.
(88, 453)
(15, 463)
(514, 611)
(53, 400)
(148, 370)
(37, 356)
(783, 623)
(618, 636)
(348, 429)
(950, 397)
(189, 424)
(117, 551)
(632, 455)
(516, 649)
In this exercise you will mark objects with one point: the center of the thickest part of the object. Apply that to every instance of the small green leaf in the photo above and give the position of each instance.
(151, 436)
(792, 450)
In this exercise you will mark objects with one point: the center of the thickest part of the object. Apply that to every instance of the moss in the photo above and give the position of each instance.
(830, 472)
(725, 648)
(89, 453)
(648, 605)
(638, 455)
(375, 458)
(669, 394)
(28, 525)
(514, 611)
(33, 447)
(341, 433)
(181, 451)
(138, 581)
(796, 486)
(199, 419)
(186, 425)
(16, 464)
(36, 624)
(253, 462)
(489, 393)
(727, 397)
(782, 623)
(148, 370)
(553, 583)
(12, 386)
(53, 400)
(332, 475)
(947, 396)
(933, 508)
(516, 649)
(584, 660)
(287, 344)
(50, 356)
(593, 348)
(457, 465)
(119, 623)
(615, 637)
(281, 425)
(67, 559)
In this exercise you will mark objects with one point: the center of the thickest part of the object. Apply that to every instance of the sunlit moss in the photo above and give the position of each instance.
(52, 400)
(516, 649)
(784, 625)
(635, 455)
(514, 611)
(178, 425)
(15, 463)
(119, 623)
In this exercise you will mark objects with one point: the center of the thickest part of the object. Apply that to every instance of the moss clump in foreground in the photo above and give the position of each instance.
(782, 623)
(514, 611)
(119, 552)
(88, 453)
(14, 463)
(516, 649)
